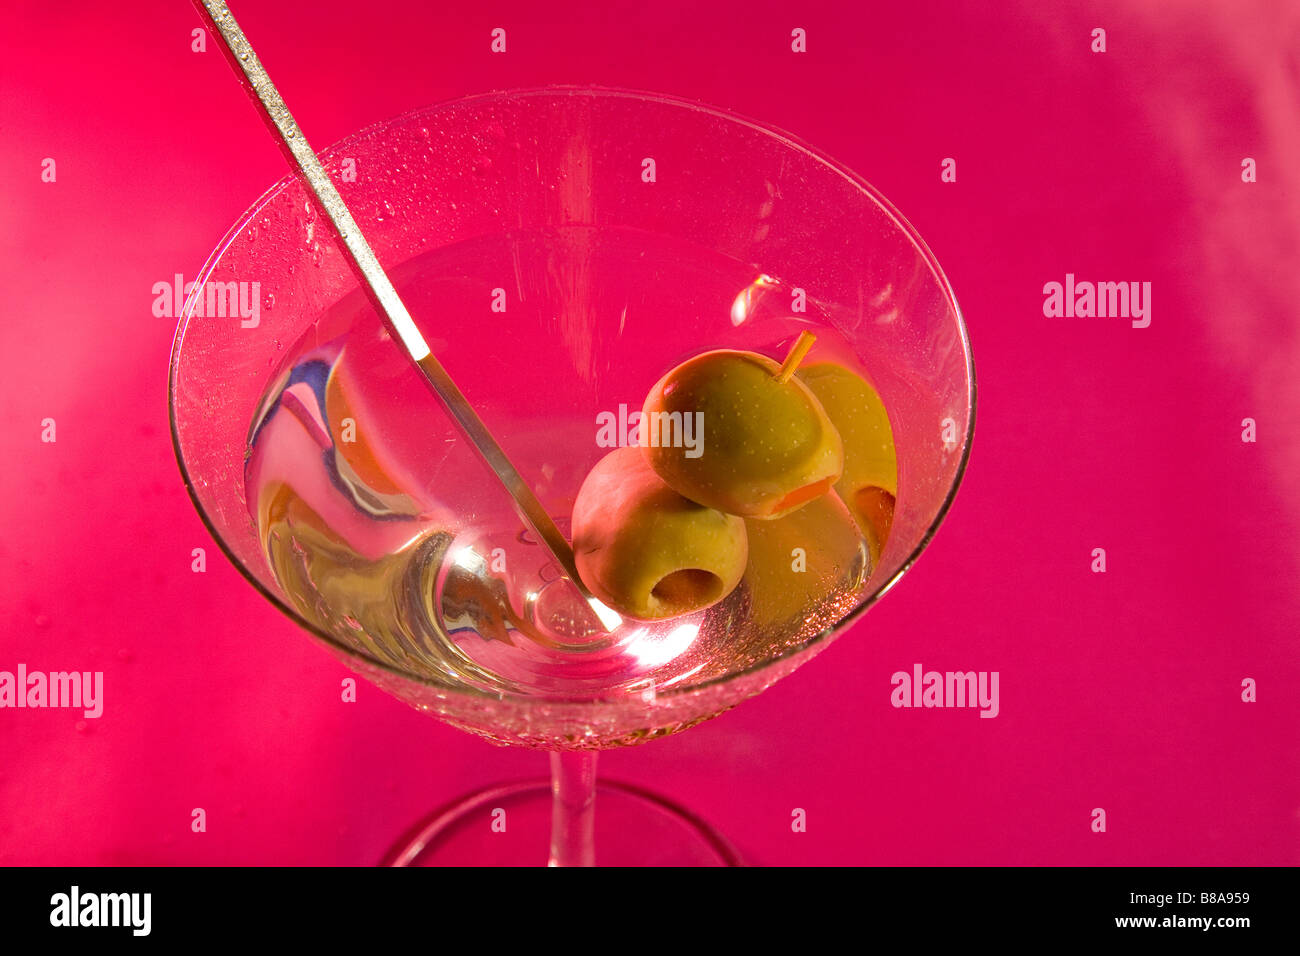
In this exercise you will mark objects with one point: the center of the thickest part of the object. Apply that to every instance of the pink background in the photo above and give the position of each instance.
(1119, 690)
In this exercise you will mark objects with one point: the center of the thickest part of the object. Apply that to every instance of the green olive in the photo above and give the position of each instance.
(801, 565)
(646, 551)
(723, 430)
(870, 479)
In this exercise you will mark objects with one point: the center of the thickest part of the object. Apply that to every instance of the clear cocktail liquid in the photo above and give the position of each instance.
(385, 529)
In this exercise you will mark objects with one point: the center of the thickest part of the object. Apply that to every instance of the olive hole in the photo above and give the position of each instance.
(689, 588)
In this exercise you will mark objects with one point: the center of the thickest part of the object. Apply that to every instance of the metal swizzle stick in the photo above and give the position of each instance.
(380, 288)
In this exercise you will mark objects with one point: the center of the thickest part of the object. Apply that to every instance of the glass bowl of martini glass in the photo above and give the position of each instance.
(561, 249)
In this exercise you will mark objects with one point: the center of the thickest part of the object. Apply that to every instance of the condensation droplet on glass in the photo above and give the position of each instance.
(268, 303)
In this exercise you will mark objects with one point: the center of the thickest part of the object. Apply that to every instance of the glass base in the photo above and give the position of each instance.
(510, 825)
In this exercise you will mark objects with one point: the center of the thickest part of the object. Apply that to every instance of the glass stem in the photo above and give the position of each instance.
(573, 808)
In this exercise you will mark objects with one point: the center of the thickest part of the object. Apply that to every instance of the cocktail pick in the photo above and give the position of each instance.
(380, 288)
(795, 355)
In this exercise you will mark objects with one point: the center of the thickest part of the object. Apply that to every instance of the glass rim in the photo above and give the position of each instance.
(526, 700)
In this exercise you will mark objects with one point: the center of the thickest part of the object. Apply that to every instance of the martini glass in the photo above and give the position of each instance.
(560, 248)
